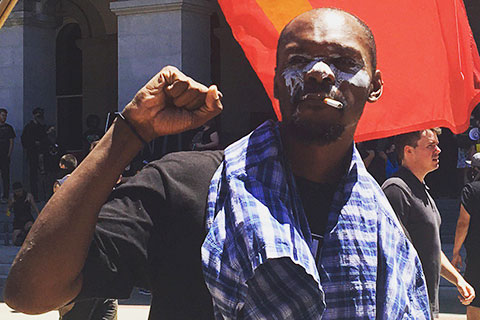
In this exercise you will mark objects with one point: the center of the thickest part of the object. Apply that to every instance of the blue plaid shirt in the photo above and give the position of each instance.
(258, 258)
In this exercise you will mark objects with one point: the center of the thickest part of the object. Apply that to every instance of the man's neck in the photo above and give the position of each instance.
(420, 174)
(318, 163)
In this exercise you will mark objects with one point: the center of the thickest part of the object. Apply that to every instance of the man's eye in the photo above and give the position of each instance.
(298, 60)
(347, 64)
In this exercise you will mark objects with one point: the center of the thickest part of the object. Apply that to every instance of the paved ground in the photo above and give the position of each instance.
(137, 306)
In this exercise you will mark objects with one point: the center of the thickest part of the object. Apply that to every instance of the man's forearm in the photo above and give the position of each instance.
(46, 273)
(462, 229)
(460, 235)
(448, 271)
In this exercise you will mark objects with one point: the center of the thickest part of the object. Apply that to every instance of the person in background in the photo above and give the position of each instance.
(468, 234)
(67, 164)
(21, 204)
(377, 166)
(34, 141)
(93, 132)
(415, 208)
(366, 153)
(207, 138)
(392, 160)
(7, 135)
(52, 157)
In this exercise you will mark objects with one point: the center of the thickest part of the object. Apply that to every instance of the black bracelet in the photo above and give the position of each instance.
(132, 128)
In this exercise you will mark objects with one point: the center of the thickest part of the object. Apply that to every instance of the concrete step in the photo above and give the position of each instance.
(4, 268)
(3, 279)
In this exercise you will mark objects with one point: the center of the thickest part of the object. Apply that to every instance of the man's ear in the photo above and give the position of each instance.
(407, 150)
(376, 87)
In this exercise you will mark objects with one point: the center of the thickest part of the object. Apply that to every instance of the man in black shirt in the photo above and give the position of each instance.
(468, 233)
(35, 141)
(416, 210)
(7, 134)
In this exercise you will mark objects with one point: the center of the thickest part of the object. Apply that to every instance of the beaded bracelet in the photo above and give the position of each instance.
(132, 128)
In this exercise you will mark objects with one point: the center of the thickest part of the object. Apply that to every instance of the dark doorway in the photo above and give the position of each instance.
(69, 87)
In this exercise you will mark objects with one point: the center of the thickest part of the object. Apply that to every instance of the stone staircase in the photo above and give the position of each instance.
(7, 254)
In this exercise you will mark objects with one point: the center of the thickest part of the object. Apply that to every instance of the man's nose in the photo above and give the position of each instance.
(437, 149)
(319, 72)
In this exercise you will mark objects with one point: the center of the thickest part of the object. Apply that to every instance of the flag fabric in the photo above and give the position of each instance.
(425, 50)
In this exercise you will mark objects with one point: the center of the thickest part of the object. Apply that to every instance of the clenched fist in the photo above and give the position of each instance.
(171, 103)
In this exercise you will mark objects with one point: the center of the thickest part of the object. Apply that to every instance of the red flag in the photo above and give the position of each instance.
(425, 49)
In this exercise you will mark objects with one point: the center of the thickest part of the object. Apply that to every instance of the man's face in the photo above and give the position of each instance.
(38, 117)
(425, 156)
(3, 117)
(324, 56)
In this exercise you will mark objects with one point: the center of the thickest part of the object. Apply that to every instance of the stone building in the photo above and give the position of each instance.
(81, 57)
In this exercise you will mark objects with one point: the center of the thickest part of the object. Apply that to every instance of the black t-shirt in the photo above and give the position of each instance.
(6, 133)
(316, 201)
(471, 201)
(421, 220)
(34, 137)
(149, 234)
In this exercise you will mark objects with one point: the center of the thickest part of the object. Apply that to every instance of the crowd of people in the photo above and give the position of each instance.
(285, 223)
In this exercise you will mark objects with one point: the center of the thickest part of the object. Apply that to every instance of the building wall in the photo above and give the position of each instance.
(156, 33)
(39, 71)
(11, 88)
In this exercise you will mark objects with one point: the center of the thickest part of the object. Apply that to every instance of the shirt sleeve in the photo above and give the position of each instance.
(280, 289)
(118, 260)
(469, 198)
(400, 204)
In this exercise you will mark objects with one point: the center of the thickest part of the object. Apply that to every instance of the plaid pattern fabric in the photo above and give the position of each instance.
(255, 216)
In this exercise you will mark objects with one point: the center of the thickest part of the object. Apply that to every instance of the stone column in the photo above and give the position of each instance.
(27, 72)
(99, 75)
(155, 33)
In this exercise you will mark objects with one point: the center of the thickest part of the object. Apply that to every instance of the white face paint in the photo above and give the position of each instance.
(294, 76)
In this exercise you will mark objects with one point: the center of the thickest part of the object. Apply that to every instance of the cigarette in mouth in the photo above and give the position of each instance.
(333, 103)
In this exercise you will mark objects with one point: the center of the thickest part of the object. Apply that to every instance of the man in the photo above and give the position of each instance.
(34, 141)
(150, 231)
(409, 197)
(7, 134)
(468, 233)
(21, 203)
(298, 228)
